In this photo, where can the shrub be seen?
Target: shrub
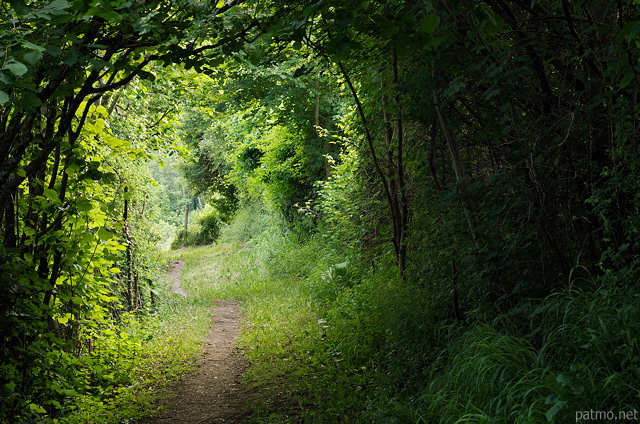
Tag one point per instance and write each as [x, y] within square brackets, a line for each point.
[206, 232]
[209, 228]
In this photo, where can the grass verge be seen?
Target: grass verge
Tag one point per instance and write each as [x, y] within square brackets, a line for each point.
[129, 363]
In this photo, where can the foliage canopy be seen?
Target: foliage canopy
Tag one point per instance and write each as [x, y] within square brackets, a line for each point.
[487, 149]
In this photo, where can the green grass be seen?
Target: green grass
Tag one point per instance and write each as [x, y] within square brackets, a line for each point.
[583, 355]
[323, 337]
[253, 262]
[131, 362]
[279, 318]
[296, 374]
[331, 340]
[341, 344]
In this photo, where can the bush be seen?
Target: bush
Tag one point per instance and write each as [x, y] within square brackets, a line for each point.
[206, 232]
[209, 228]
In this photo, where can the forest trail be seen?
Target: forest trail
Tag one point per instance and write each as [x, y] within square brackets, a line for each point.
[175, 270]
[213, 393]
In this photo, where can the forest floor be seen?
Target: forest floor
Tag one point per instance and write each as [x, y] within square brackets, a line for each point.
[213, 392]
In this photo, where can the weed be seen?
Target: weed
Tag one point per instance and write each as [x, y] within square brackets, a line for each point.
[588, 360]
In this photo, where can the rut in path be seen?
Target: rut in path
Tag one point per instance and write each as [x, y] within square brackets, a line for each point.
[214, 392]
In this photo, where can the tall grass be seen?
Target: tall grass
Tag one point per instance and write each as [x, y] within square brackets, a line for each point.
[129, 362]
[267, 271]
[351, 343]
[328, 339]
[331, 339]
[587, 359]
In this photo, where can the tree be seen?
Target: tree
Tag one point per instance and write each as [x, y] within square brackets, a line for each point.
[365, 44]
[529, 128]
[266, 130]
[67, 215]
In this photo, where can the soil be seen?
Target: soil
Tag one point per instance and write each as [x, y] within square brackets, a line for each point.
[213, 393]
[173, 276]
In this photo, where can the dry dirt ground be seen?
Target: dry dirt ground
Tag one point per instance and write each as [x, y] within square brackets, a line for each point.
[213, 393]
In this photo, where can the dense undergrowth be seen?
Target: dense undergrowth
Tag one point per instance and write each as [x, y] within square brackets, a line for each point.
[456, 187]
[332, 340]
[118, 368]
[126, 372]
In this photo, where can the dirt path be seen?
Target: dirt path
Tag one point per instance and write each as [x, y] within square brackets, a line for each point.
[177, 265]
[214, 392]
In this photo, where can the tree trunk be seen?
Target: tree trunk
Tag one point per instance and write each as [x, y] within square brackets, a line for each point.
[129, 251]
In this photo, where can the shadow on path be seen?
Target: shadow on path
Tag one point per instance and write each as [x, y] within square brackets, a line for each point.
[214, 392]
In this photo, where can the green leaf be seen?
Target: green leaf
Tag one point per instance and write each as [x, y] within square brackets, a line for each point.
[7, 78]
[61, 18]
[554, 410]
[146, 75]
[106, 14]
[54, 50]
[16, 67]
[32, 46]
[102, 111]
[565, 377]
[430, 23]
[215, 61]
[390, 31]
[91, 174]
[19, 6]
[37, 408]
[11, 386]
[72, 57]
[57, 7]
[387, 28]
[104, 234]
[626, 79]
[342, 47]
[98, 64]
[32, 56]
[629, 31]
[4, 98]
[30, 100]
[83, 204]
[51, 194]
